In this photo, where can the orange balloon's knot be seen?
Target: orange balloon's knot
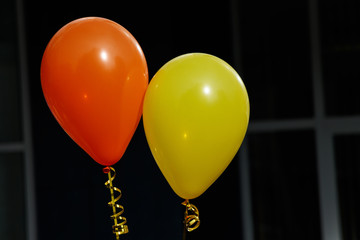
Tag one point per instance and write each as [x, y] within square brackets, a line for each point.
[119, 226]
[191, 216]
[106, 170]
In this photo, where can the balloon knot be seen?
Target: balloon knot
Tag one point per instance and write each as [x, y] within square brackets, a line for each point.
[106, 170]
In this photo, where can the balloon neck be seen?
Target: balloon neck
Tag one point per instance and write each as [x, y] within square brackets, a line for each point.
[186, 202]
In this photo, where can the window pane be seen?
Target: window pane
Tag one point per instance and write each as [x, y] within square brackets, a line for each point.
[347, 153]
[340, 35]
[284, 185]
[10, 124]
[12, 205]
[276, 58]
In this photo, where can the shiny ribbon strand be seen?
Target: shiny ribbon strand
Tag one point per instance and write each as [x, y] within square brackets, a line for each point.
[119, 226]
[191, 216]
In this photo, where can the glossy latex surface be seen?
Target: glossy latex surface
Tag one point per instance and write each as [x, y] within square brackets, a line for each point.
[94, 76]
[196, 113]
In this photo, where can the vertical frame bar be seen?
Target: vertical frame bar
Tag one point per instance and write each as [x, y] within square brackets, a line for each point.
[329, 212]
[31, 221]
[245, 185]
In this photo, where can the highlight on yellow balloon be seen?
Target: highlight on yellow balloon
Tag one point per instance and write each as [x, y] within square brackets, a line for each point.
[195, 116]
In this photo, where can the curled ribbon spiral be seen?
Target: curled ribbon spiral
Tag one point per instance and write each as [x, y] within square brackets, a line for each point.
[119, 226]
[191, 216]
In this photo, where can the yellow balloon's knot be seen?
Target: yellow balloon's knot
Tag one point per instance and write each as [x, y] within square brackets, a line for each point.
[119, 226]
[191, 216]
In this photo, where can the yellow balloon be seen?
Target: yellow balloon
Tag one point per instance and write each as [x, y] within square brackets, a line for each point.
[196, 113]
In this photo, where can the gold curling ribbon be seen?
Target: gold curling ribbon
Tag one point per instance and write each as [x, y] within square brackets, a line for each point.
[191, 216]
[119, 226]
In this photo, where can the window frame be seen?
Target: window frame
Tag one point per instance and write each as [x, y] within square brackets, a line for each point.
[325, 129]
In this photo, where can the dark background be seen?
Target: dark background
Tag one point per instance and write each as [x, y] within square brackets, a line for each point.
[302, 74]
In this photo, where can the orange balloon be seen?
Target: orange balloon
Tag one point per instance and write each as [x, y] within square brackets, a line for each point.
[94, 77]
